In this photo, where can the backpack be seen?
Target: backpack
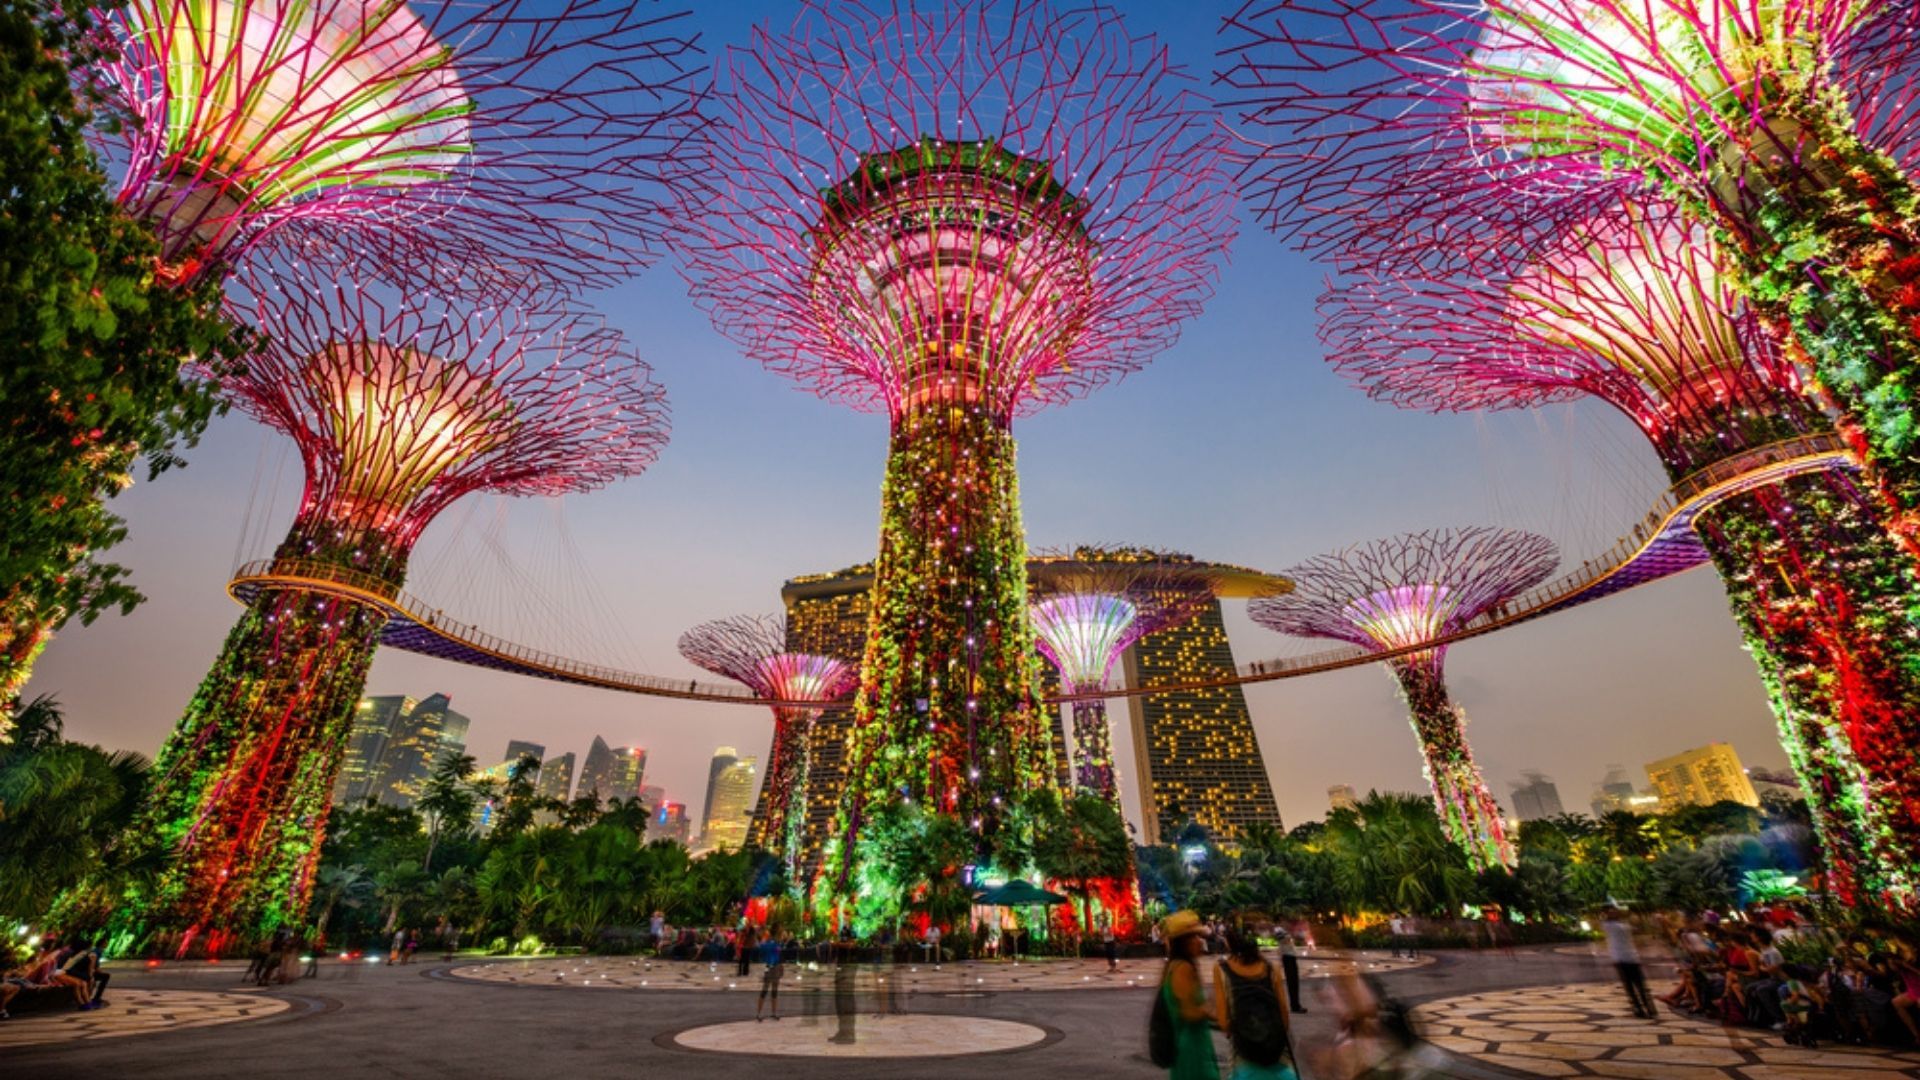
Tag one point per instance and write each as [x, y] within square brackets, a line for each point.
[1161, 1048]
[1258, 1034]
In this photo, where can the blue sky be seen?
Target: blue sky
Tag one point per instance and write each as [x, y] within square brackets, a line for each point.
[1237, 444]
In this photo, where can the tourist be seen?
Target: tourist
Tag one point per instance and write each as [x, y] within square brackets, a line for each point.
[1248, 997]
[931, 945]
[1109, 943]
[394, 950]
[744, 945]
[771, 968]
[412, 946]
[1193, 1058]
[1626, 961]
[1798, 1003]
[1907, 1002]
[316, 948]
[1290, 968]
[43, 972]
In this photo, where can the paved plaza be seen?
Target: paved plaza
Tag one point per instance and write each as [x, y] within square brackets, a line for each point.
[1539, 1013]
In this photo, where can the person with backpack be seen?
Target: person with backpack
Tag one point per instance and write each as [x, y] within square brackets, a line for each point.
[1250, 997]
[1180, 1033]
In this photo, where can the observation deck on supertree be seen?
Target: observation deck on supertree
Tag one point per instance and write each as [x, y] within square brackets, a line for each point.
[399, 407]
[752, 650]
[956, 213]
[1412, 588]
[1784, 126]
[469, 148]
[1631, 307]
[1088, 608]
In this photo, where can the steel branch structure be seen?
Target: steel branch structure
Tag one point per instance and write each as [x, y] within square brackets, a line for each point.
[1088, 609]
[1413, 588]
[956, 213]
[462, 147]
[1631, 307]
[752, 650]
[399, 407]
[1396, 131]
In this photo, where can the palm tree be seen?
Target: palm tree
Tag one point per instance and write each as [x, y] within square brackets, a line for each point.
[446, 799]
[63, 807]
[396, 887]
[338, 886]
[1085, 844]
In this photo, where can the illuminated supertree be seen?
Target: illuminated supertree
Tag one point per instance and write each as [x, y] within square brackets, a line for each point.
[956, 213]
[399, 407]
[1393, 593]
[1088, 608]
[1785, 126]
[1631, 307]
[460, 146]
[752, 650]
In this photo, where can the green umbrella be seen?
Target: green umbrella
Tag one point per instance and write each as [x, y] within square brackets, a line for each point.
[1018, 893]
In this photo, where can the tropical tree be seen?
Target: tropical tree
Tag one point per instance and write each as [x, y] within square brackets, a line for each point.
[63, 806]
[336, 886]
[447, 800]
[1391, 854]
[907, 854]
[1086, 843]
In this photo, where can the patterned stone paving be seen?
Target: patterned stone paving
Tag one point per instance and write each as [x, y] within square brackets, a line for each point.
[1587, 1030]
[136, 1012]
[910, 1035]
[636, 973]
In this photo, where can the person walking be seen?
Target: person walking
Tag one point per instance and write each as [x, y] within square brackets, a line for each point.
[744, 945]
[1290, 969]
[1186, 1004]
[771, 969]
[1248, 998]
[1626, 960]
[394, 949]
[1109, 943]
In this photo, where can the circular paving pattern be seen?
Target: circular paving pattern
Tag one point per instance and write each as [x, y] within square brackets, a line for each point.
[136, 1012]
[898, 1036]
[638, 973]
[1587, 1030]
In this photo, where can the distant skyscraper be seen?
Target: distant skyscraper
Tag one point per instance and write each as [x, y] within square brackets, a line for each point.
[518, 748]
[1536, 798]
[420, 740]
[723, 823]
[612, 772]
[556, 775]
[669, 821]
[1341, 797]
[1701, 777]
[1615, 792]
[1194, 752]
[652, 795]
[373, 725]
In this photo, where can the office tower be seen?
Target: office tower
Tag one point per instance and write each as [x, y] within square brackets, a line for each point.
[612, 772]
[651, 795]
[556, 774]
[730, 781]
[373, 723]
[1614, 792]
[669, 821]
[1195, 751]
[1536, 798]
[1701, 777]
[1341, 797]
[519, 748]
[421, 739]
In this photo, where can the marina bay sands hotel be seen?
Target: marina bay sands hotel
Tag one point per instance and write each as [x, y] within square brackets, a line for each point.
[1195, 754]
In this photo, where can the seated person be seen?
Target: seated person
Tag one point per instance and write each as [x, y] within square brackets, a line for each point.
[1799, 1001]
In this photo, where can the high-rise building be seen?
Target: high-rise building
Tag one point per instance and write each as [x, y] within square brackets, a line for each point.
[1194, 751]
[1341, 797]
[723, 823]
[519, 748]
[420, 740]
[556, 775]
[612, 772]
[1536, 798]
[373, 725]
[669, 821]
[1701, 777]
[1614, 792]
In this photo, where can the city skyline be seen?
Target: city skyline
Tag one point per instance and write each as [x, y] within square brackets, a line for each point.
[1268, 459]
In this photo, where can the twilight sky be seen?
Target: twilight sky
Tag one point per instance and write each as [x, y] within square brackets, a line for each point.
[1238, 445]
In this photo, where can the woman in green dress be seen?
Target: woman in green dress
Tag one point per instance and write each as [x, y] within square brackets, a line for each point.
[1186, 938]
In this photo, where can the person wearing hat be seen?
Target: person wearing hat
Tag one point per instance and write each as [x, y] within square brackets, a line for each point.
[1186, 938]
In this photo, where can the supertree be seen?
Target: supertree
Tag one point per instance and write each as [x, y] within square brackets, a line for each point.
[1393, 593]
[956, 213]
[399, 407]
[752, 650]
[1631, 307]
[1088, 608]
[460, 146]
[1400, 130]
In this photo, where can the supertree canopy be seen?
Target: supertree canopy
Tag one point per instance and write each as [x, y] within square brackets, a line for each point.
[461, 145]
[752, 650]
[1631, 307]
[1088, 608]
[1395, 593]
[398, 408]
[957, 213]
[1784, 126]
